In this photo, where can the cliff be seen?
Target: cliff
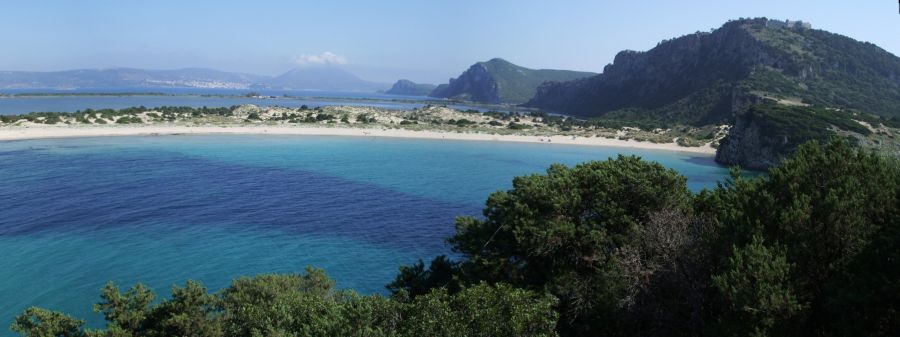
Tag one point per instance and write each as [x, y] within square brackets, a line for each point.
[764, 133]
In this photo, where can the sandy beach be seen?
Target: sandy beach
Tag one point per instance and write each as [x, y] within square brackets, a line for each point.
[40, 132]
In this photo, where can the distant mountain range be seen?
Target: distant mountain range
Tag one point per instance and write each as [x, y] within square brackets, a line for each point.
[321, 78]
[499, 81]
[306, 78]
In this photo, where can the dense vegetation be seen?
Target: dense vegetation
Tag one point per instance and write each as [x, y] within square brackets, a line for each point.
[613, 248]
[499, 81]
[810, 249]
[303, 305]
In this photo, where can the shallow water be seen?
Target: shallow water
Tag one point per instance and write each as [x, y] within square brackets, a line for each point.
[160, 210]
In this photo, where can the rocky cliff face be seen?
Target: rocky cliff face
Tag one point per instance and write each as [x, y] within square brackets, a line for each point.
[748, 147]
[475, 84]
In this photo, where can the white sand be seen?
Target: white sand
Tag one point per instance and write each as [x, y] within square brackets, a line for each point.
[51, 131]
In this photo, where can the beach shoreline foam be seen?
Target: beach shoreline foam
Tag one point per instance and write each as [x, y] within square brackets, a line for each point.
[13, 133]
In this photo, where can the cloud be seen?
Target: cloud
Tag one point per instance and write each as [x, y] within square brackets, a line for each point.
[324, 58]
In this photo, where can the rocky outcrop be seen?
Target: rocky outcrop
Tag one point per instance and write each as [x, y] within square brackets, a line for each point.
[475, 84]
[747, 145]
[766, 132]
[410, 88]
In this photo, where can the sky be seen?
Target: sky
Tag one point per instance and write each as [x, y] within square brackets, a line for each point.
[425, 41]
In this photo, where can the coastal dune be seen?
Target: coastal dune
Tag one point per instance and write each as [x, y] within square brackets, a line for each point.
[43, 132]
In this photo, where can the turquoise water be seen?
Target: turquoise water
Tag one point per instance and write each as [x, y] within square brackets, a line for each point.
[159, 210]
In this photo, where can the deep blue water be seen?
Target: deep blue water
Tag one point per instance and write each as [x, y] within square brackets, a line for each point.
[194, 98]
[76, 213]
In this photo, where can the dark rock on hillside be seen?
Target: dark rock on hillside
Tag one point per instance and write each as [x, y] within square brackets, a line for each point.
[748, 147]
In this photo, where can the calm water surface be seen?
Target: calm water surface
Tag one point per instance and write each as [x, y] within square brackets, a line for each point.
[12, 105]
[160, 210]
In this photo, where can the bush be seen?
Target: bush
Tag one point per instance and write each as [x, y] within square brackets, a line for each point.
[463, 122]
[129, 120]
[559, 233]
[809, 249]
[517, 126]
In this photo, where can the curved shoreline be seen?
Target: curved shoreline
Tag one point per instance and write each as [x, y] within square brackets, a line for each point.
[13, 133]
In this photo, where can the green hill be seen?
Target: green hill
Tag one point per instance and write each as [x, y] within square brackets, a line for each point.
[716, 77]
[499, 81]
[704, 77]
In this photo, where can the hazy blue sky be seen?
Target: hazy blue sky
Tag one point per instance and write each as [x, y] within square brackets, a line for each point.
[426, 40]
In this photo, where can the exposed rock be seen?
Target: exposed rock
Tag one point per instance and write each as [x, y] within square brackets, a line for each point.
[745, 146]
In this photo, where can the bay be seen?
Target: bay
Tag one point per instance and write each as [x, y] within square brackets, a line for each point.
[77, 213]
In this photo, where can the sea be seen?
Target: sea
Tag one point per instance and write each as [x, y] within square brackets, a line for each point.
[159, 210]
